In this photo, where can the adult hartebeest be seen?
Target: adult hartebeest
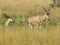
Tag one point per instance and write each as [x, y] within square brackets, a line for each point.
[39, 19]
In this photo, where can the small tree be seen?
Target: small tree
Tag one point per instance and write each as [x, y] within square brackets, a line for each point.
[56, 3]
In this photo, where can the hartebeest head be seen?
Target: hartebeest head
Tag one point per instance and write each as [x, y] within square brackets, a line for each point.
[47, 13]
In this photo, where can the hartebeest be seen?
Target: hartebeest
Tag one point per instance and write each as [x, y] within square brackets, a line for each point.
[9, 19]
[38, 20]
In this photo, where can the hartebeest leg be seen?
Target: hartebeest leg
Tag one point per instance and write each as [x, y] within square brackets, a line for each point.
[40, 25]
[36, 25]
[30, 26]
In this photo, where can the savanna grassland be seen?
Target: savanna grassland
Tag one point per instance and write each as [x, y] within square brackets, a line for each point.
[18, 32]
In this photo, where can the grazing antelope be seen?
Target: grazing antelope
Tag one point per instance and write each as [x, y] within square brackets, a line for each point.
[39, 19]
[9, 19]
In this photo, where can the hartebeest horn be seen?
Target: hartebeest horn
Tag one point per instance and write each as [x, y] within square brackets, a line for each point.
[46, 9]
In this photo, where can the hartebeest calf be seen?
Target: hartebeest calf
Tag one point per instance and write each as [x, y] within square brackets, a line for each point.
[8, 21]
[38, 20]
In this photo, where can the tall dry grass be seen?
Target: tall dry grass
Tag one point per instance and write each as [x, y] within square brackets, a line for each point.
[26, 36]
